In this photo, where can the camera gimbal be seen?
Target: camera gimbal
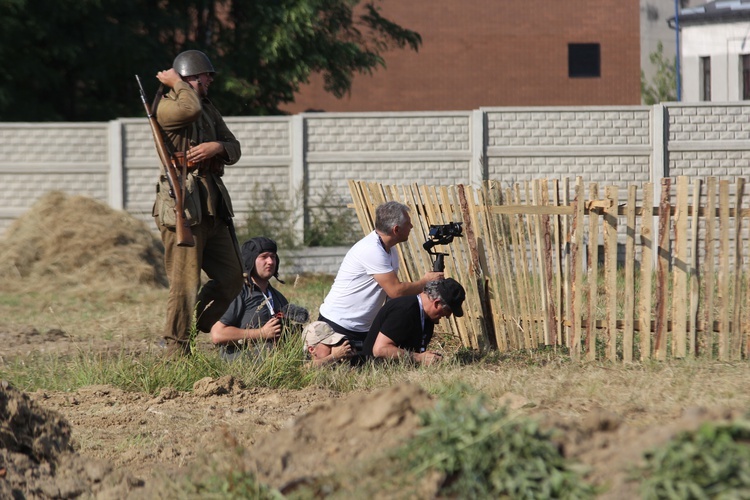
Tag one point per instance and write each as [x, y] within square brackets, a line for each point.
[441, 234]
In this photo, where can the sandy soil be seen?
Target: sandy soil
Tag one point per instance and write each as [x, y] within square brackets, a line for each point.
[102, 442]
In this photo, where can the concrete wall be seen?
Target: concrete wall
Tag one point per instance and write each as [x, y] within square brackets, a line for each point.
[308, 158]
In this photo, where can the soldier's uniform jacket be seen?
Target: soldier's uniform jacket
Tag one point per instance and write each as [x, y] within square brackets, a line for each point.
[188, 120]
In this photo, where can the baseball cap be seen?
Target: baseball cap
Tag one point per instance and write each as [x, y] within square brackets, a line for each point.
[320, 332]
[453, 294]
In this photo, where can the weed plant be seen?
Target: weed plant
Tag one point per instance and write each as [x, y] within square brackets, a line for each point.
[712, 462]
[272, 215]
[486, 454]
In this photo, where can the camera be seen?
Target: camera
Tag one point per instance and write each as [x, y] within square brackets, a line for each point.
[441, 234]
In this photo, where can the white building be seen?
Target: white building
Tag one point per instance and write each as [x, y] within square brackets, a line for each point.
[715, 51]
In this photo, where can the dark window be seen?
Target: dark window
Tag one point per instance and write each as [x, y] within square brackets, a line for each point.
[584, 60]
[745, 76]
[705, 67]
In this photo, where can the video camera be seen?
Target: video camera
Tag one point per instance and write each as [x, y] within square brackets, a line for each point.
[441, 234]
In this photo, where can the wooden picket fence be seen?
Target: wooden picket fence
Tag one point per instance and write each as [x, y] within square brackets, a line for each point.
[671, 281]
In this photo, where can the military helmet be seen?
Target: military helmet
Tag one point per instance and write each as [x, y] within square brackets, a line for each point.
[192, 62]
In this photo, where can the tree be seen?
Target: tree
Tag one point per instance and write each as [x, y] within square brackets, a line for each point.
[664, 85]
[75, 60]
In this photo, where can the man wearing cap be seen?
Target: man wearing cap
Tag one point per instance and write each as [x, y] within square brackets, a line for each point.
[403, 327]
[254, 315]
[324, 346]
[194, 128]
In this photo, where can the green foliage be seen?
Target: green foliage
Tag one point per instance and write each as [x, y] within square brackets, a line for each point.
[328, 226]
[664, 85]
[486, 454]
[712, 462]
[263, 50]
[273, 216]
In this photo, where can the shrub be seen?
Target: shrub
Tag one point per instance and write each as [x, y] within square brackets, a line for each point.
[712, 462]
[486, 454]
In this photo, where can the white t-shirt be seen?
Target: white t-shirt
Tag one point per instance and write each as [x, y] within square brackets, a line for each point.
[355, 297]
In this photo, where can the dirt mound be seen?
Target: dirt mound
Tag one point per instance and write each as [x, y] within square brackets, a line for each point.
[37, 458]
[83, 239]
[336, 434]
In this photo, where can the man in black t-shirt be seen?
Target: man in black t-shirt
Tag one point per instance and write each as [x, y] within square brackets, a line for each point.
[403, 327]
[259, 313]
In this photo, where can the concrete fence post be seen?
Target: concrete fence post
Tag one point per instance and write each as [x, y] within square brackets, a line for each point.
[116, 177]
[478, 164]
[659, 164]
[297, 175]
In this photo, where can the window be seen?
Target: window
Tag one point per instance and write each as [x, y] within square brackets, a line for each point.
[705, 68]
[745, 76]
[584, 60]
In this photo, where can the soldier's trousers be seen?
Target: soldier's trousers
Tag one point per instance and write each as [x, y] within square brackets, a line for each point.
[215, 253]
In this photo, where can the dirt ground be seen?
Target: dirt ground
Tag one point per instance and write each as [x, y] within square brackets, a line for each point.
[102, 442]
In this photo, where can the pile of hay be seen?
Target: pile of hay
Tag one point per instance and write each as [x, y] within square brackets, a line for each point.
[83, 240]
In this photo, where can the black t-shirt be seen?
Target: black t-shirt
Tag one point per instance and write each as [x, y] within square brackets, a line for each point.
[249, 310]
[401, 321]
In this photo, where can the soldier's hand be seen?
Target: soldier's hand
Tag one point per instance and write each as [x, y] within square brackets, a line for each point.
[169, 77]
[204, 151]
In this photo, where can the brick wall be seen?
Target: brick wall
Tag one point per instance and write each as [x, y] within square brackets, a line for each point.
[479, 53]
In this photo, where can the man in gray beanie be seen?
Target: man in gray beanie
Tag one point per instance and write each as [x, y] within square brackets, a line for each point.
[256, 315]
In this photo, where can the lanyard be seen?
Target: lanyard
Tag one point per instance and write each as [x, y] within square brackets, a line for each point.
[421, 317]
[268, 299]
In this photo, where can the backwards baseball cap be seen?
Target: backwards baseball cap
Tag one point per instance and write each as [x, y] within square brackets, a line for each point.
[256, 246]
[320, 332]
[453, 294]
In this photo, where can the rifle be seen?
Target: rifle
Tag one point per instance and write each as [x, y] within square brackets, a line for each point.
[176, 189]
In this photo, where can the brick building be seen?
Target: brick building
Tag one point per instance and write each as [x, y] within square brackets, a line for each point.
[500, 53]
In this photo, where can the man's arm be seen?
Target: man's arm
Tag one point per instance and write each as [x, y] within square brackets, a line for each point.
[176, 114]
[396, 288]
[223, 334]
[384, 347]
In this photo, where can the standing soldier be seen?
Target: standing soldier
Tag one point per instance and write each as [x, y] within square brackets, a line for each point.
[195, 130]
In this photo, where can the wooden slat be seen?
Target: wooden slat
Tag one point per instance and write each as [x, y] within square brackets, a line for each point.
[498, 286]
[535, 295]
[541, 256]
[593, 275]
[694, 281]
[474, 278]
[709, 281]
[519, 249]
[577, 251]
[628, 309]
[648, 237]
[662, 269]
[680, 271]
[724, 269]
[736, 330]
[610, 268]
[558, 246]
[567, 266]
